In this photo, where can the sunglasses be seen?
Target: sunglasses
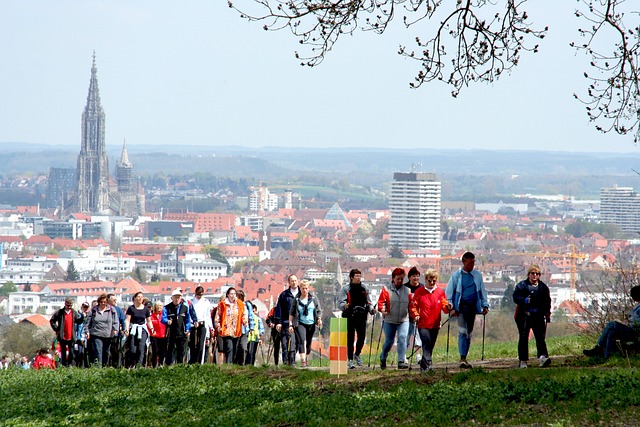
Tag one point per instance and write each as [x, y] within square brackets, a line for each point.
[432, 280]
[534, 273]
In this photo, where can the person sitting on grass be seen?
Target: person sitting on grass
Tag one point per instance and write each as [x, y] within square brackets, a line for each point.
[43, 360]
[617, 331]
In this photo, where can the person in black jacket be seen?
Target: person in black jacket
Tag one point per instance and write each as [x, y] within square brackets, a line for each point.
[281, 315]
[176, 315]
[533, 312]
[64, 322]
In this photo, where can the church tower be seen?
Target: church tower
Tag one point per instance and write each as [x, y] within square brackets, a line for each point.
[93, 166]
[127, 187]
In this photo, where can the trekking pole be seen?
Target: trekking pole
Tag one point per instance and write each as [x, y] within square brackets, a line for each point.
[484, 326]
[288, 362]
[373, 324]
[379, 339]
[320, 346]
[415, 333]
[446, 364]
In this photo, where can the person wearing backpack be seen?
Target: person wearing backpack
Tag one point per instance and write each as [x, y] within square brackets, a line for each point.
[275, 337]
[355, 303]
[283, 307]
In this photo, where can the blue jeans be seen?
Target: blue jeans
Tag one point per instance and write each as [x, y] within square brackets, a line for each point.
[390, 330]
[466, 320]
[612, 332]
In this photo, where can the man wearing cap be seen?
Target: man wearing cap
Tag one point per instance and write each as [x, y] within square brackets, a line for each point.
[178, 320]
[64, 322]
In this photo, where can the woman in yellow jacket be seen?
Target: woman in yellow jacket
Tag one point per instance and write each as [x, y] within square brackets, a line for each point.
[230, 317]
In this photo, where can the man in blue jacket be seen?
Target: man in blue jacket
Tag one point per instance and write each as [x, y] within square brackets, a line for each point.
[466, 292]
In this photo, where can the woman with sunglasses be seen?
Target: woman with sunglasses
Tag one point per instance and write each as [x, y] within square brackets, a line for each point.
[533, 312]
[427, 306]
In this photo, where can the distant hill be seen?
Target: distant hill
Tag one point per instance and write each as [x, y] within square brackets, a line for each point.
[503, 172]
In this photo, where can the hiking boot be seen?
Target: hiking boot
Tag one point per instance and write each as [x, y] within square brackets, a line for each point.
[544, 361]
[351, 365]
[593, 352]
[522, 364]
[464, 364]
[358, 360]
[403, 365]
[383, 364]
[304, 364]
[424, 371]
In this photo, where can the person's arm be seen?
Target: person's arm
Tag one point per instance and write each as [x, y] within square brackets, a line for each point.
[414, 309]
[450, 294]
[343, 301]
[318, 311]
[188, 323]
[382, 301]
[55, 321]
[127, 324]
[165, 316]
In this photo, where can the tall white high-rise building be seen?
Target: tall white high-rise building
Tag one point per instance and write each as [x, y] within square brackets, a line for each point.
[620, 206]
[415, 211]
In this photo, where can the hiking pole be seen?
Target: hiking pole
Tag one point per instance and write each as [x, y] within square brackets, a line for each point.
[373, 324]
[380, 338]
[446, 364]
[415, 332]
[484, 326]
[261, 349]
[320, 346]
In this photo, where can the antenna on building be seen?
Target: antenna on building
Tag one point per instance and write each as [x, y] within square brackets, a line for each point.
[416, 167]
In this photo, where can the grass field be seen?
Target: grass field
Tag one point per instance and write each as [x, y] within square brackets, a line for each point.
[573, 392]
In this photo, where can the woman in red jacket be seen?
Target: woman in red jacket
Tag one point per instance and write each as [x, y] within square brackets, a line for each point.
[158, 335]
[427, 306]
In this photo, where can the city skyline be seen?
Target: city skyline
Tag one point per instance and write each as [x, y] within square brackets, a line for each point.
[198, 74]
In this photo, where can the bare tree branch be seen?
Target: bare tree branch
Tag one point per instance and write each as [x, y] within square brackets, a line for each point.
[476, 40]
[613, 95]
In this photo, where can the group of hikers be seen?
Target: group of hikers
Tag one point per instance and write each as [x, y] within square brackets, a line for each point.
[193, 331]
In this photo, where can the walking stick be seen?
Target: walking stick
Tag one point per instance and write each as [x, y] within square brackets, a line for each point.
[288, 349]
[320, 346]
[373, 324]
[446, 364]
[484, 326]
[415, 332]
[379, 339]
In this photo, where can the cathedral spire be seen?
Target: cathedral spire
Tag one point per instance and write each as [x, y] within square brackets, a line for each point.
[124, 159]
[93, 165]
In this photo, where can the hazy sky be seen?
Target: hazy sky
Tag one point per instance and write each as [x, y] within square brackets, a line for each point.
[194, 72]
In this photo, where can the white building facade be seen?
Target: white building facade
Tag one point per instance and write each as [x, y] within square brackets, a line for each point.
[415, 211]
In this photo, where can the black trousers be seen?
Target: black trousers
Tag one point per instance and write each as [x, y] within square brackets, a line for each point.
[356, 324]
[288, 345]
[197, 342]
[66, 352]
[538, 325]
[277, 340]
[159, 348]
[176, 344]
[304, 337]
[137, 350]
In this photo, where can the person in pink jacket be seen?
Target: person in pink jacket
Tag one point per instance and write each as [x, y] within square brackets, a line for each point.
[426, 308]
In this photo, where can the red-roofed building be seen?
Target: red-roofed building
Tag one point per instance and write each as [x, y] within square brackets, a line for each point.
[204, 222]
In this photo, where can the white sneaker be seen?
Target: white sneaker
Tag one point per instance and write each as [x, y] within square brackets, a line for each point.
[522, 364]
[351, 365]
[544, 361]
[418, 358]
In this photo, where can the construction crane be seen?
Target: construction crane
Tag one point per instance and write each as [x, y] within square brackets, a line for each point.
[573, 256]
